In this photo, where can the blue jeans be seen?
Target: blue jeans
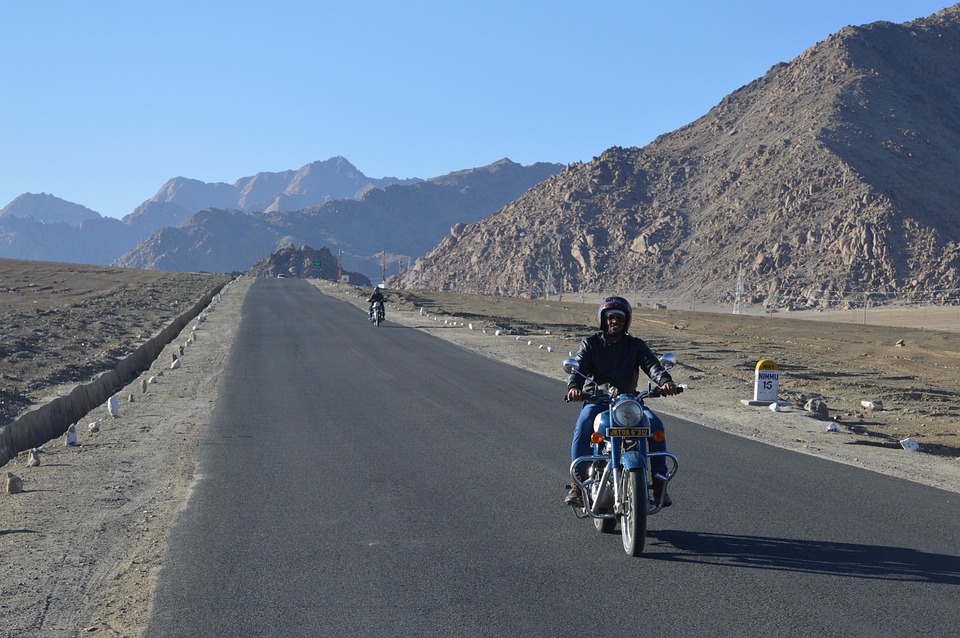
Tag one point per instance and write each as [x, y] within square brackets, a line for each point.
[584, 428]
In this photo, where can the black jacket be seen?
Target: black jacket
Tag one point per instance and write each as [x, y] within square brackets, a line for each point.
[616, 366]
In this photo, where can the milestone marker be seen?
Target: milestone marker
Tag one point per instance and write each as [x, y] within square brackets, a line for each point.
[766, 383]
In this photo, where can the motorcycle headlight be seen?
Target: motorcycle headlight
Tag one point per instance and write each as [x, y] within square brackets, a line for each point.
[628, 414]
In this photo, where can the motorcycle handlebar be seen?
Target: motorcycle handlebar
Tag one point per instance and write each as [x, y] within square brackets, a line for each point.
[645, 394]
[655, 392]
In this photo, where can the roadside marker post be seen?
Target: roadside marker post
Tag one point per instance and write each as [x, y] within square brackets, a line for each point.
[766, 384]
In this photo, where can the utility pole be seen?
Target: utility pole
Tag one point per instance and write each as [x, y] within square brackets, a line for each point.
[738, 301]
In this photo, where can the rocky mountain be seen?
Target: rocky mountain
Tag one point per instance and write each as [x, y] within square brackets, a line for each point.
[303, 263]
[396, 222]
[314, 183]
[46, 228]
[831, 177]
[47, 209]
[92, 241]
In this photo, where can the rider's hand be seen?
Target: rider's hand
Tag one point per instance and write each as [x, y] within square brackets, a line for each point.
[573, 394]
[669, 388]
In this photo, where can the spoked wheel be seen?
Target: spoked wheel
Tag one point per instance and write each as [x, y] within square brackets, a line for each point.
[633, 521]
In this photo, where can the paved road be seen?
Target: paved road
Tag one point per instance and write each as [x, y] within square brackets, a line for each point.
[363, 481]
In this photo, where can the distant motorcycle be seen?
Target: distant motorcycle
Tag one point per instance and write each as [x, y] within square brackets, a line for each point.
[377, 313]
[618, 482]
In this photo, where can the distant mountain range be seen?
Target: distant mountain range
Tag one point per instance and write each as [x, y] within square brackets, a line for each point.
[189, 225]
[315, 183]
[47, 209]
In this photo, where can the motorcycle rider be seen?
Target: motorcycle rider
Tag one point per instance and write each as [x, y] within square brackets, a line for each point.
[613, 358]
[375, 297]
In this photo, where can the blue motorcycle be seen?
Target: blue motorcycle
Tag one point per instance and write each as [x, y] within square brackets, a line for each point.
[618, 480]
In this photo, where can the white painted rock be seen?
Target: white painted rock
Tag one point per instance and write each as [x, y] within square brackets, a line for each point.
[71, 437]
[910, 445]
[113, 406]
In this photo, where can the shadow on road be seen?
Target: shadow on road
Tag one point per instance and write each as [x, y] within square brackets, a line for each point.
[816, 557]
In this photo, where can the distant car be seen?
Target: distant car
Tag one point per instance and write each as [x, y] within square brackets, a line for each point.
[281, 276]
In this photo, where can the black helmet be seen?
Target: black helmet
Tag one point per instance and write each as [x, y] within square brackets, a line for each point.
[614, 303]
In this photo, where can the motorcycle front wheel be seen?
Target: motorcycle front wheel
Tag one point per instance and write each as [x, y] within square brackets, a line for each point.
[633, 521]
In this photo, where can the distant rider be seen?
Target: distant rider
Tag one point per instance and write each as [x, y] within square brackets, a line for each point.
[614, 358]
[375, 297]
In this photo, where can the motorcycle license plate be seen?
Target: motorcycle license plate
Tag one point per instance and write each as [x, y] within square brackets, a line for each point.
[638, 432]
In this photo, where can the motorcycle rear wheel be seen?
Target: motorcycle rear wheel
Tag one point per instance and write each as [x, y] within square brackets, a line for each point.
[633, 522]
[602, 525]
[605, 525]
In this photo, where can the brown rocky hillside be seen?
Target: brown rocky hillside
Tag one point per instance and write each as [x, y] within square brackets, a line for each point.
[304, 263]
[832, 176]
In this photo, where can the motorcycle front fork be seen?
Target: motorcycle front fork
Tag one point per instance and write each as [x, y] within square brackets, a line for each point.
[608, 483]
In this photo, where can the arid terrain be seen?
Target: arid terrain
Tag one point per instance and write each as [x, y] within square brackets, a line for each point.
[82, 544]
[66, 323]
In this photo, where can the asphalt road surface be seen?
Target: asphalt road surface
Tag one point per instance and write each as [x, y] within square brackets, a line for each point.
[364, 481]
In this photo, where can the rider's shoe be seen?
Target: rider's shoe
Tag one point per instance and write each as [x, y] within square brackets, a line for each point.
[660, 487]
[574, 497]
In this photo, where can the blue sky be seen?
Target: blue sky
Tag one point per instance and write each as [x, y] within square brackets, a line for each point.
[102, 102]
